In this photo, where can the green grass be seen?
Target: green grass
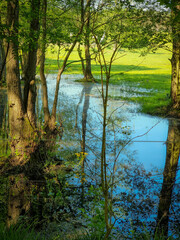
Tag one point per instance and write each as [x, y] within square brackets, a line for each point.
[151, 72]
[18, 233]
[25, 233]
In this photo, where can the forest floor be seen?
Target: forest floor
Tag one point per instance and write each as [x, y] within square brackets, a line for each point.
[147, 76]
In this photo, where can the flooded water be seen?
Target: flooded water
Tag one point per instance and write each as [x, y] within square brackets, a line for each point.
[138, 147]
[146, 132]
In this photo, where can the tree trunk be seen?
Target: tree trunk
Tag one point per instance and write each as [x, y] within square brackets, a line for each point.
[24, 61]
[81, 58]
[3, 57]
[87, 73]
[175, 61]
[1, 61]
[53, 114]
[16, 112]
[20, 128]
[30, 87]
[42, 62]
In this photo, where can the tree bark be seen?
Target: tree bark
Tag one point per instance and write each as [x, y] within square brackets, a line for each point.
[3, 56]
[20, 128]
[175, 61]
[81, 58]
[42, 62]
[23, 61]
[87, 73]
[30, 87]
[2, 63]
[16, 112]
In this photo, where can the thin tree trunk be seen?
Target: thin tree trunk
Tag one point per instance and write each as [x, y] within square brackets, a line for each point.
[53, 115]
[30, 87]
[81, 58]
[3, 58]
[42, 62]
[24, 62]
[87, 74]
[104, 177]
[1, 61]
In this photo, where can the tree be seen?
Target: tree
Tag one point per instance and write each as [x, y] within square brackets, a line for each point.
[174, 7]
[3, 52]
[117, 25]
[175, 60]
[87, 70]
[51, 118]
[30, 87]
[22, 115]
[2, 62]
[42, 62]
[20, 127]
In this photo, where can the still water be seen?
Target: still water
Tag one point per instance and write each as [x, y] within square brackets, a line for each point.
[138, 147]
[148, 134]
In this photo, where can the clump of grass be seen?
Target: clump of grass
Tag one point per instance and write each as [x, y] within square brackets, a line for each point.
[18, 233]
[155, 104]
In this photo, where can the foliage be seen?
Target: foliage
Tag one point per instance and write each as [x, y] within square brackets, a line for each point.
[94, 216]
[18, 233]
[123, 27]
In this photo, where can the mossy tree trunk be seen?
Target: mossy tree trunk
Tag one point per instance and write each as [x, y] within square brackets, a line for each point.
[42, 63]
[3, 56]
[2, 63]
[20, 127]
[23, 61]
[30, 86]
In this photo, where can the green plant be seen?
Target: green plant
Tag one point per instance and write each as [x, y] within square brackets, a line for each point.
[95, 214]
[18, 233]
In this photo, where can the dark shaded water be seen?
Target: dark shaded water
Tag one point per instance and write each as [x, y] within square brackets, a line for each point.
[138, 149]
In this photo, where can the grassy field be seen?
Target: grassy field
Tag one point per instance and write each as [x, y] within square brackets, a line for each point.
[150, 73]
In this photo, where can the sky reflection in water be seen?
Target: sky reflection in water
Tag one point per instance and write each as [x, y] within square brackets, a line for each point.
[150, 149]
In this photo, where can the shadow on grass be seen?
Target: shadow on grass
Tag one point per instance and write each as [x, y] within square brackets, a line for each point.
[52, 64]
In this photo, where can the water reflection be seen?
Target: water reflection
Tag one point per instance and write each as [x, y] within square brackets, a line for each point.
[169, 176]
[86, 94]
[18, 199]
[134, 183]
[25, 185]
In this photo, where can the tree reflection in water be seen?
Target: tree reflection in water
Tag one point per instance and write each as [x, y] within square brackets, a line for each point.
[133, 190]
[170, 173]
[18, 200]
[86, 94]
